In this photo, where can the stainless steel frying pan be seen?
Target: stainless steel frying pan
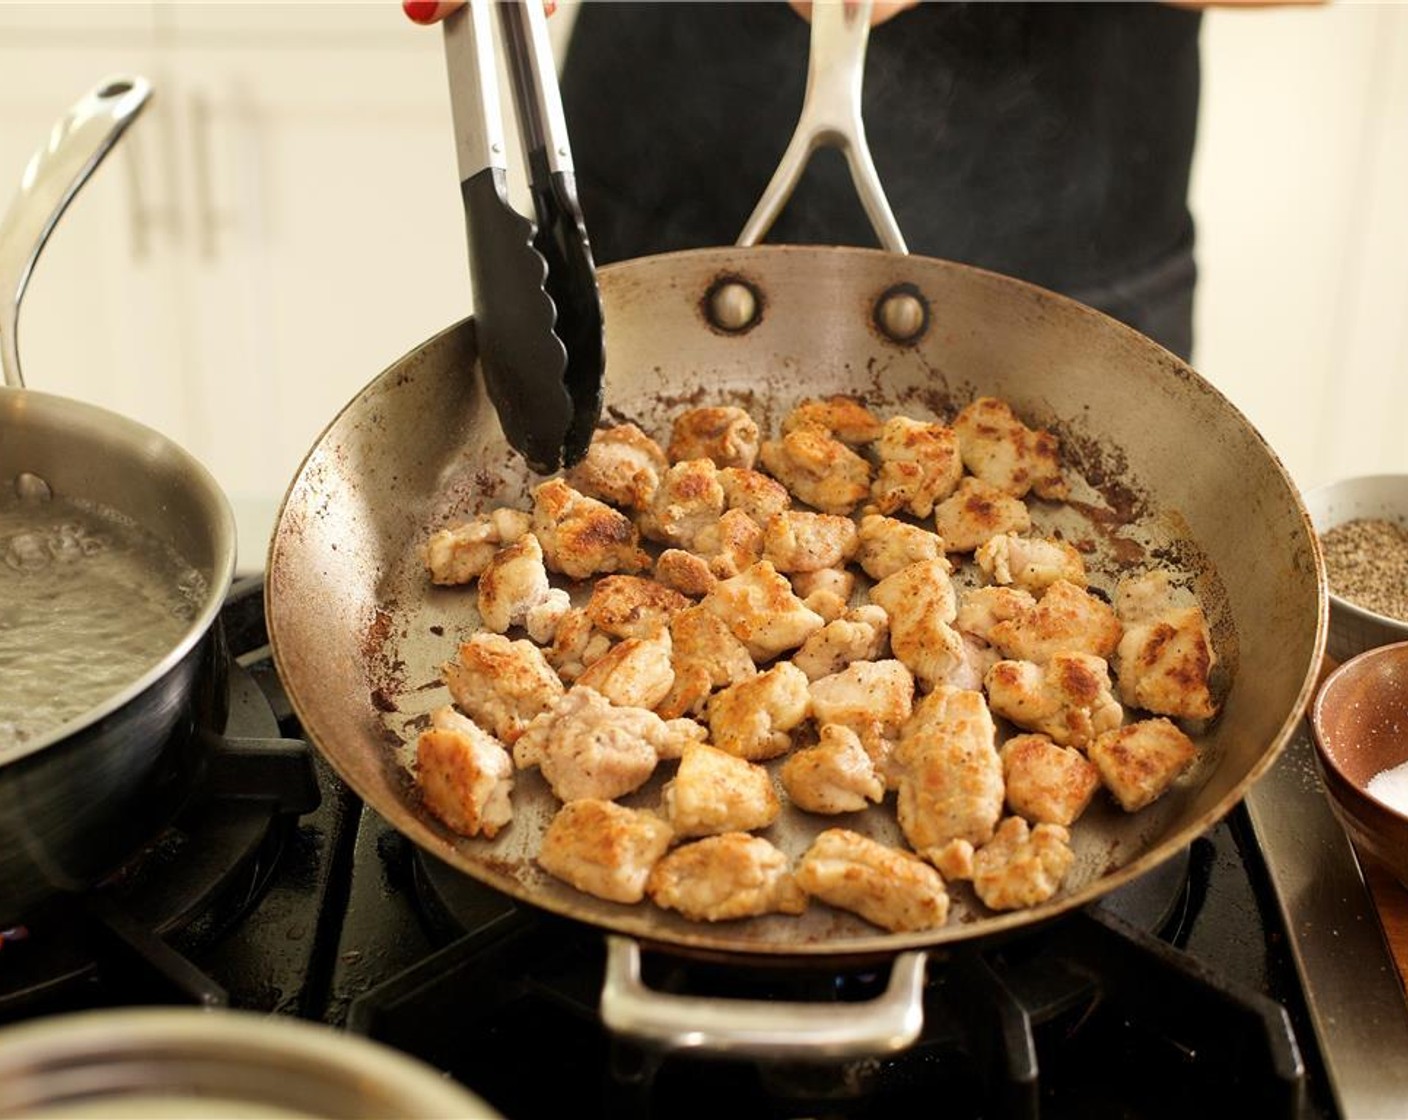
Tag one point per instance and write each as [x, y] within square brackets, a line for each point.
[1170, 474]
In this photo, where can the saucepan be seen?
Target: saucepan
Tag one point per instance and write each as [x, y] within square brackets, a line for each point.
[1168, 473]
[79, 796]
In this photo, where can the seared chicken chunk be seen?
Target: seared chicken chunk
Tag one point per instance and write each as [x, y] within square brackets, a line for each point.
[603, 848]
[731, 545]
[465, 775]
[983, 608]
[975, 513]
[502, 685]
[1031, 563]
[844, 417]
[706, 656]
[635, 673]
[1046, 784]
[576, 643]
[513, 583]
[919, 466]
[794, 541]
[688, 499]
[921, 603]
[1021, 867]
[623, 466]
[950, 775]
[753, 719]
[1065, 619]
[860, 635]
[1139, 762]
[835, 776]
[1068, 698]
[821, 471]
[869, 697]
[724, 877]
[887, 887]
[827, 590]
[632, 607]
[714, 791]
[1004, 452]
[726, 436]
[1166, 656]
[884, 545]
[759, 608]
[457, 555]
[582, 536]
[753, 493]
[685, 572]
[588, 747]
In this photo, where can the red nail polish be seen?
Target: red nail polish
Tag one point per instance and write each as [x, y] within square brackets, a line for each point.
[422, 11]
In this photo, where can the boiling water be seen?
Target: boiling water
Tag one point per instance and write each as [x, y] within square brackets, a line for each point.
[89, 601]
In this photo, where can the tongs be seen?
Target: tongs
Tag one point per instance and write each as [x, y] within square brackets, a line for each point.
[537, 308]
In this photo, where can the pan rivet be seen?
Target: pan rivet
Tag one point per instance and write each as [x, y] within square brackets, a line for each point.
[902, 313]
[733, 305]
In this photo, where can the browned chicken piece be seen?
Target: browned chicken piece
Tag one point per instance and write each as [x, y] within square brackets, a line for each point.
[919, 466]
[844, 417]
[1066, 619]
[983, 608]
[502, 685]
[1069, 698]
[726, 435]
[689, 692]
[1031, 563]
[581, 536]
[821, 471]
[884, 545]
[795, 541]
[513, 583]
[603, 848]
[920, 588]
[546, 615]
[1002, 451]
[754, 493]
[714, 791]
[921, 603]
[701, 637]
[835, 776]
[887, 887]
[685, 572]
[588, 747]
[753, 719]
[465, 775]
[1021, 867]
[953, 860]
[576, 643]
[950, 775]
[872, 698]
[834, 584]
[859, 635]
[623, 466]
[759, 608]
[458, 554]
[732, 544]
[1046, 784]
[632, 607]
[1140, 761]
[635, 673]
[688, 500]
[1166, 657]
[975, 513]
[725, 877]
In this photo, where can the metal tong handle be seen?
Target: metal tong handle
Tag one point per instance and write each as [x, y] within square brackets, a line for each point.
[763, 1028]
[831, 117]
[77, 144]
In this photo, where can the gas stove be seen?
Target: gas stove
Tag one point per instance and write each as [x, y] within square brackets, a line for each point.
[277, 891]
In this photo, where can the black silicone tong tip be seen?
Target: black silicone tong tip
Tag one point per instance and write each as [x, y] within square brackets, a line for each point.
[524, 361]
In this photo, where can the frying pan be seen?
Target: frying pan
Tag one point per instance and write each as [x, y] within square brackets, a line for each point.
[1166, 472]
[78, 800]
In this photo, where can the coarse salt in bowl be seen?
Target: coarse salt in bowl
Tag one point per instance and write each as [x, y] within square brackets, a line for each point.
[1379, 572]
[1360, 720]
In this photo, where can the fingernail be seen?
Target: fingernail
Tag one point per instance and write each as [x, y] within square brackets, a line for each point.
[421, 11]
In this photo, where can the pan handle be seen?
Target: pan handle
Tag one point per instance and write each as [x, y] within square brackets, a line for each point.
[831, 117]
[76, 145]
[759, 1028]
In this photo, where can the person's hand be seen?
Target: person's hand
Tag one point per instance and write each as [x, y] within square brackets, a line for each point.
[433, 11]
[880, 12]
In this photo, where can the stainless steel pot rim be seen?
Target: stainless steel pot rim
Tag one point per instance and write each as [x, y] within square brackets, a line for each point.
[220, 578]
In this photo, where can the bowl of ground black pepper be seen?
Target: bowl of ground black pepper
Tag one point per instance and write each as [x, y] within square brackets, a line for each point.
[1363, 528]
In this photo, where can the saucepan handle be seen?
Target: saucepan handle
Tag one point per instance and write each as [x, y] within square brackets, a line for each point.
[831, 117]
[762, 1029]
[76, 145]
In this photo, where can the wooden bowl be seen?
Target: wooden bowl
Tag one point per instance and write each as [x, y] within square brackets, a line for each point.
[1360, 720]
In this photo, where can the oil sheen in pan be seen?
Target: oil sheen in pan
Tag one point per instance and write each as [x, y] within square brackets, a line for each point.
[89, 601]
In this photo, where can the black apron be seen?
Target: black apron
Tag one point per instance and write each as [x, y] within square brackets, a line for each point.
[1047, 141]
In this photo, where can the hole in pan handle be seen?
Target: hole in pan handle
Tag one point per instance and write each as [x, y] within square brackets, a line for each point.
[763, 1028]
